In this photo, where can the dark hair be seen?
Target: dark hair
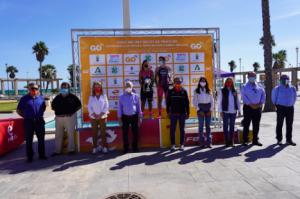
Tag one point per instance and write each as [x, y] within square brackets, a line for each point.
[65, 84]
[233, 88]
[144, 62]
[206, 86]
[162, 58]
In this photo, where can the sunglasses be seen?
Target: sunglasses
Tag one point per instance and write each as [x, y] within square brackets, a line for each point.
[33, 89]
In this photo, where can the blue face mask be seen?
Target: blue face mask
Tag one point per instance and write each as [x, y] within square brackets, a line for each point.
[252, 79]
[64, 91]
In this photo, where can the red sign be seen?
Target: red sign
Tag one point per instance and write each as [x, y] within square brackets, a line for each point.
[11, 134]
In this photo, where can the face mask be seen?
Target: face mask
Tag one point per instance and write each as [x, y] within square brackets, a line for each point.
[284, 82]
[252, 79]
[64, 91]
[229, 84]
[98, 90]
[146, 65]
[33, 92]
[128, 90]
[202, 84]
[177, 87]
[161, 63]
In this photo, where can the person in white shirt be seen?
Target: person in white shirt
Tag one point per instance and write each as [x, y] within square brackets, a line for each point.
[204, 102]
[228, 107]
[98, 110]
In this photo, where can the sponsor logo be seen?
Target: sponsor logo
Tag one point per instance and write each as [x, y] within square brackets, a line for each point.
[114, 70]
[131, 59]
[10, 132]
[196, 46]
[111, 136]
[181, 68]
[96, 48]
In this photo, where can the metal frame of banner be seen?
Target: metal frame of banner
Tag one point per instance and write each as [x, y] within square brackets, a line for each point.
[76, 33]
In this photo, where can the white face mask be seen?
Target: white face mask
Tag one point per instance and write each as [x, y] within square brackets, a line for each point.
[202, 84]
[128, 90]
[161, 63]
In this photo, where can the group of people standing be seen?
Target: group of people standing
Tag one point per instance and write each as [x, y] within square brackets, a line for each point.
[132, 106]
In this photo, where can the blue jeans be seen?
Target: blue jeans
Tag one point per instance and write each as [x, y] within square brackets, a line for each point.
[207, 118]
[228, 126]
[174, 119]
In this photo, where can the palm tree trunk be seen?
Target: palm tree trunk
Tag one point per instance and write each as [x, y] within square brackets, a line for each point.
[267, 40]
[41, 87]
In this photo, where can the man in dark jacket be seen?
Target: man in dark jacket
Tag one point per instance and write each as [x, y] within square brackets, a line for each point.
[178, 109]
[32, 107]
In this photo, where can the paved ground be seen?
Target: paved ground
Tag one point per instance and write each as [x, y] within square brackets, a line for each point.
[244, 172]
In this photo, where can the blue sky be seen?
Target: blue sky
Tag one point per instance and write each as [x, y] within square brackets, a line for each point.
[24, 22]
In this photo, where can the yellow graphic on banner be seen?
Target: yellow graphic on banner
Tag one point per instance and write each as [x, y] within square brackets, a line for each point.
[114, 60]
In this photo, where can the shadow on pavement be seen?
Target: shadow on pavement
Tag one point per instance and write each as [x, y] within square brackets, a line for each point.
[268, 152]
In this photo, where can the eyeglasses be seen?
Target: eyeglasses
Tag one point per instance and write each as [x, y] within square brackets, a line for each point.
[33, 89]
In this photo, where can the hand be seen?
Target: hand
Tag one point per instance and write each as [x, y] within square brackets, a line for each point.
[208, 114]
[222, 114]
[120, 122]
[239, 114]
[140, 121]
[95, 115]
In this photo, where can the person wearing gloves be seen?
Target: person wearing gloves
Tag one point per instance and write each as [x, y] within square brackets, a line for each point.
[98, 110]
[178, 109]
[284, 97]
[228, 107]
[130, 114]
[204, 102]
[65, 106]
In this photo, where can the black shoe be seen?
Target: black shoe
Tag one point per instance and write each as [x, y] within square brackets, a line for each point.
[279, 143]
[29, 160]
[209, 146]
[227, 145]
[55, 154]
[43, 157]
[125, 151]
[291, 143]
[135, 150]
[245, 144]
[71, 152]
[257, 143]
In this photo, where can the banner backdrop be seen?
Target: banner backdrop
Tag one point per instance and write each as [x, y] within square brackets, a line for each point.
[114, 60]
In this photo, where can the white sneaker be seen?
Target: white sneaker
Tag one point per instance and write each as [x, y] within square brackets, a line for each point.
[94, 150]
[173, 148]
[104, 150]
[181, 148]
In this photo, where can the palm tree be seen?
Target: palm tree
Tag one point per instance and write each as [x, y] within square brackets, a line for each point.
[261, 41]
[279, 59]
[256, 66]
[40, 50]
[267, 46]
[48, 72]
[232, 65]
[71, 79]
[12, 70]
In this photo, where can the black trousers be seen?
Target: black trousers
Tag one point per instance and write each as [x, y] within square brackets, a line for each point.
[37, 126]
[133, 122]
[254, 116]
[286, 113]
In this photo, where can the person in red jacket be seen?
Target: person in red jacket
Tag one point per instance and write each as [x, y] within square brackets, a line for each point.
[146, 78]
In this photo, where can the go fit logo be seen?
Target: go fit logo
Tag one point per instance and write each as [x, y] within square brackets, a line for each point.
[96, 47]
[195, 46]
[131, 59]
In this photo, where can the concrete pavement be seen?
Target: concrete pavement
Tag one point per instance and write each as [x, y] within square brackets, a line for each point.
[243, 172]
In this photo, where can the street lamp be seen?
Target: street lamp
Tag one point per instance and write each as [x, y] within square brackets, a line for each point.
[297, 50]
[7, 79]
[240, 62]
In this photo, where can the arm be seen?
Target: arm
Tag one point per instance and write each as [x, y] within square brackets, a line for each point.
[140, 78]
[195, 100]
[212, 103]
[263, 97]
[53, 104]
[120, 108]
[90, 107]
[187, 103]
[244, 96]
[295, 95]
[106, 105]
[220, 97]
[20, 108]
[78, 103]
[274, 95]
[156, 76]
[168, 102]
[239, 103]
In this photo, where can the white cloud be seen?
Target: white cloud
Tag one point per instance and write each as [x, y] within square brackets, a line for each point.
[287, 15]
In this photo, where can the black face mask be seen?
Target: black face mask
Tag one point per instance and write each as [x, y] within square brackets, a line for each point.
[146, 65]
